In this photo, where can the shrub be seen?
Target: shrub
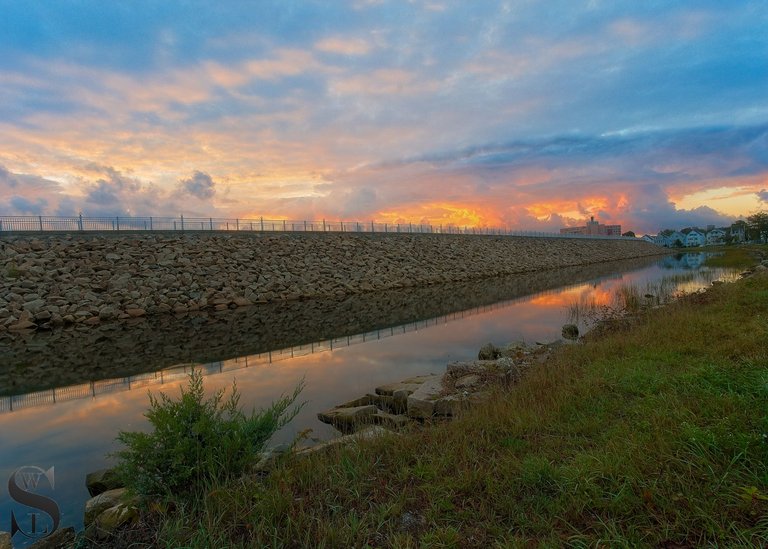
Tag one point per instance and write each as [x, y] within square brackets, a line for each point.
[197, 443]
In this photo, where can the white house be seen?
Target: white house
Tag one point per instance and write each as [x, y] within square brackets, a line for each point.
[716, 236]
[670, 239]
[649, 238]
[694, 238]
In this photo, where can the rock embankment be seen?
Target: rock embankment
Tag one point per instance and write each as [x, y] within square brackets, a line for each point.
[55, 280]
[424, 397]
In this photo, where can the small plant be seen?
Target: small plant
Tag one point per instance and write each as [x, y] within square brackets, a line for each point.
[12, 271]
[197, 443]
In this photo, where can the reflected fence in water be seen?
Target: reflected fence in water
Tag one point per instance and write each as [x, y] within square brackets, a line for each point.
[95, 388]
[79, 223]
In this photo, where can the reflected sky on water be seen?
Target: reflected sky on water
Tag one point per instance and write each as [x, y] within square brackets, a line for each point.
[76, 435]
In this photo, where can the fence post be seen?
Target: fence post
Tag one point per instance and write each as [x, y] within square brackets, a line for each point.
[261, 220]
[182, 223]
[342, 226]
[237, 224]
[283, 225]
[305, 225]
[40, 219]
[323, 225]
[373, 230]
[210, 222]
[386, 228]
[117, 222]
[80, 222]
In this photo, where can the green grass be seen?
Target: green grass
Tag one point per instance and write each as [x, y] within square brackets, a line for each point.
[655, 434]
[738, 257]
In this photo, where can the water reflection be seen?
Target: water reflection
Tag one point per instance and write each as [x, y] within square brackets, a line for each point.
[82, 354]
[375, 339]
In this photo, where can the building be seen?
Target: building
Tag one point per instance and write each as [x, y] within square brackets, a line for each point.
[715, 236]
[593, 228]
[695, 238]
[739, 231]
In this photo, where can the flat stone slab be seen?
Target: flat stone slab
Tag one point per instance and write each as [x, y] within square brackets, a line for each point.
[421, 403]
[410, 384]
[347, 417]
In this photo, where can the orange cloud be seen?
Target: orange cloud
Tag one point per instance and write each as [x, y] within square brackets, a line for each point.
[343, 46]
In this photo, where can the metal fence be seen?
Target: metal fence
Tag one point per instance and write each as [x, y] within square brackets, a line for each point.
[79, 223]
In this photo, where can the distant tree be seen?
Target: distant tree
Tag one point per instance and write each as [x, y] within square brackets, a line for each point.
[757, 226]
[629, 233]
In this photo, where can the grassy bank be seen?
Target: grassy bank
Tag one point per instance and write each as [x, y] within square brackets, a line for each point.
[653, 433]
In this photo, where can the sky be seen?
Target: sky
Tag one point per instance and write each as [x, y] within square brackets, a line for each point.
[520, 114]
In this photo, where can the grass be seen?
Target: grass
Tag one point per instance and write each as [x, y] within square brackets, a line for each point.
[732, 256]
[652, 435]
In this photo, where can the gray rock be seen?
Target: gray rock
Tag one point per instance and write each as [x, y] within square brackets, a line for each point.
[34, 306]
[392, 421]
[96, 505]
[450, 405]
[346, 419]
[22, 325]
[421, 403]
[410, 385]
[489, 351]
[111, 519]
[5, 540]
[467, 381]
[102, 480]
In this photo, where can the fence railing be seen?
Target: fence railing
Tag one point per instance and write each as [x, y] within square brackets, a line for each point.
[79, 223]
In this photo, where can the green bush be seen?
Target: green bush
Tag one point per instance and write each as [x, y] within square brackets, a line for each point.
[197, 443]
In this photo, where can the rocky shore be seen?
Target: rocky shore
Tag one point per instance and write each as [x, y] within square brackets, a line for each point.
[56, 280]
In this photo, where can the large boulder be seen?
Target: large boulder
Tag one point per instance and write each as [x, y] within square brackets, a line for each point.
[5, 540]
[97, 505]
[421, 403]
[102, 480]
[109, 520]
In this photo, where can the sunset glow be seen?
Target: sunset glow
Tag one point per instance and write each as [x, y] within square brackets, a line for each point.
[489, 113]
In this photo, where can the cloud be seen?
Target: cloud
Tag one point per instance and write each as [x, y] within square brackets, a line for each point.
[343, 46]
[200, 186]
[26, 206]
[763, 195]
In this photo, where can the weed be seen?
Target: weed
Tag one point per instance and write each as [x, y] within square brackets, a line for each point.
[196, 443]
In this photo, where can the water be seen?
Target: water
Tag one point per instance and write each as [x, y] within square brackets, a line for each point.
[64, 396]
